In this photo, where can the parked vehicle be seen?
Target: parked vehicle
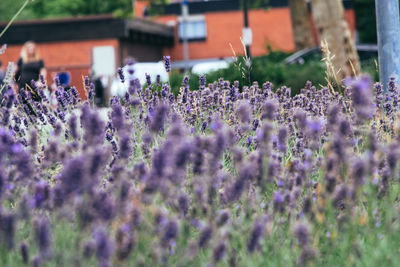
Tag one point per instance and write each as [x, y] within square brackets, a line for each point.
[207, 67]
[365, 52]
[140, 70]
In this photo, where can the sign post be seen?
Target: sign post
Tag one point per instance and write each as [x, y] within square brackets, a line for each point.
[388, 29]
[247, 35]
[185, 14]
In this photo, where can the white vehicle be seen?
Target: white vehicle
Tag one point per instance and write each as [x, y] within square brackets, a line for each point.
[140, 70]
[207, 67]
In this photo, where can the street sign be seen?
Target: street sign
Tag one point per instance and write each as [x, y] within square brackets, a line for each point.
[247, 36]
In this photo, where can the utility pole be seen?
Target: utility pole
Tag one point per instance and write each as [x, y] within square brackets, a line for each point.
[185, 14]
[247, 34]
[388, 29]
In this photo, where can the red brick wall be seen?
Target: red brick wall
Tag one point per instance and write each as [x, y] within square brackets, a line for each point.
[271, 26]
[74, 56]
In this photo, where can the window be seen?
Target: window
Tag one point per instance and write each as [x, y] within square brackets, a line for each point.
[194, 28]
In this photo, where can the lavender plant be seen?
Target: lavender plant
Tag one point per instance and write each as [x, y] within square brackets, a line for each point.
[223, 175]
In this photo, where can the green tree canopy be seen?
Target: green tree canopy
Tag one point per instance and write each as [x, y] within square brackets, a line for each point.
[64, 8]
[9, 7]
[366, 20]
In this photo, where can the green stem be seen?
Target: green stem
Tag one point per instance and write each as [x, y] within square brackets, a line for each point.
[13, 18]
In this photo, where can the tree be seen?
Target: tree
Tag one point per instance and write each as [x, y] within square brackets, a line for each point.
[64, 8]
[8, 8]
[120, 8]
[303, 37]
[332, 27]
[258, 3]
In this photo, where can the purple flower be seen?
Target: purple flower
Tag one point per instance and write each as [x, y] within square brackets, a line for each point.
[282, 139]
[185, 84]
[158, 120]
[205, 236]
[124, 191]
[302, 234]
[222, 218]
[33, 140]
[300, 118]
[148, 79]
[93, 127]
[130, 62]
[117, 115]
[333, 114]
[315, 127]
[203, 126]
[278, 201]
[88, 249]
[344, 127]
[72, 178]
[7, 229]
[167, 63]
[24, 253]
[103, 206]
[340, 196]
[171, 232]
[41, 193]
[182, 155]
[43, 236]
[249, 140]
[308, 253]
[72, 123]
[36, 261]
[121, 75]
[392, 158]
[361, 95]
[269, 110]
[243, 112]
[202, 81]
[91, 92]
[255, 235]
[183, 204]
[96, 161]
[104, 247]
[219, 251]
[358, 172]
[125, 147]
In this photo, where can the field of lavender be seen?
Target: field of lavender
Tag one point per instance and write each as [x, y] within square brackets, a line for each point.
[226, 175]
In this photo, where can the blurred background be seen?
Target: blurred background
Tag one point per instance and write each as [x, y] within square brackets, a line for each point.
[254, 40]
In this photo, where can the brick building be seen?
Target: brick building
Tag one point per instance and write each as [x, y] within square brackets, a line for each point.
[81, 45]
[213, 25]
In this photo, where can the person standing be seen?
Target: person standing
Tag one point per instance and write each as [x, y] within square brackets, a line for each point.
[2, 76]
[29, 66]
[2, 73]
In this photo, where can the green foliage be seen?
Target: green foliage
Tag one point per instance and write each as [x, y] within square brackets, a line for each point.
[64, 8]
[258, 3]
[266, 68]
[366, 20]
[8, 8]
[272, 69]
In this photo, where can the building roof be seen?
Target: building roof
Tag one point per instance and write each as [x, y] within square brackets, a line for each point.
[205, 6]
[86, 28]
